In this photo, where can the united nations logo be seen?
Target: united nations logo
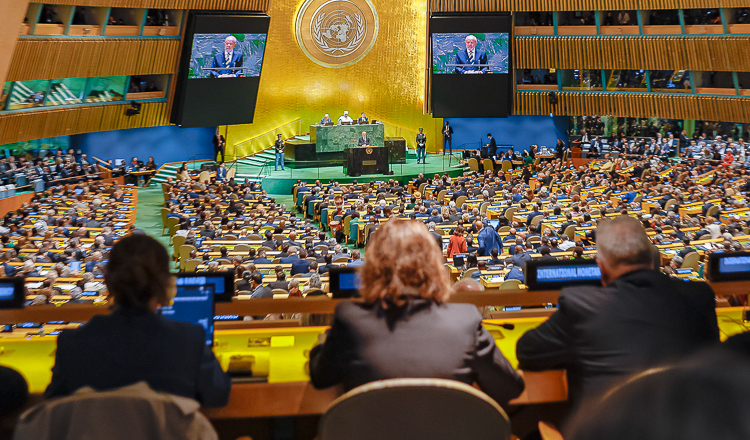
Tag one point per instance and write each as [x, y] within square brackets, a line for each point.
[336, 33]
[368, 150]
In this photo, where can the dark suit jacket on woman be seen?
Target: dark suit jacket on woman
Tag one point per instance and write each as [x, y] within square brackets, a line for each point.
[132, 345]
[419, 339]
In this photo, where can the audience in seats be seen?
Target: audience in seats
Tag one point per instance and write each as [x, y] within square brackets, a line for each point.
[404, 317]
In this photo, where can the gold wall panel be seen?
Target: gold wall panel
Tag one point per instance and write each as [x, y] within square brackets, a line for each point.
[12, 12]
[79, 58]
[387, 84]
[235, 5]
[707, 108]
[576, 5]
[24, 126]
[654, 53]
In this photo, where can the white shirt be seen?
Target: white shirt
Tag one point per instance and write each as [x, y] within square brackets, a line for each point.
[345, 118]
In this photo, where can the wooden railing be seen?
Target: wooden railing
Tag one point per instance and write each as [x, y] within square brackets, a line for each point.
[657, 53]
[706, 108]
[51, 122]
[237, 5]
[80, 58]
[576, 5]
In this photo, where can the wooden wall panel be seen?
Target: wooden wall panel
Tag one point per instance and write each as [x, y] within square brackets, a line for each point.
[576, 5]
[730, 53]
[707, 108]
[79, 58]
[236, 5]
[23, 126]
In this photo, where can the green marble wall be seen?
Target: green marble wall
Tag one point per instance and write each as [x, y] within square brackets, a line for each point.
[335, 138]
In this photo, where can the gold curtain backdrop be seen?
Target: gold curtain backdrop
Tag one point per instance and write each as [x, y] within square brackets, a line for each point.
[387, 84]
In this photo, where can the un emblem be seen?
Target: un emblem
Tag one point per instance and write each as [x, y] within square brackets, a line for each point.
[336, 33]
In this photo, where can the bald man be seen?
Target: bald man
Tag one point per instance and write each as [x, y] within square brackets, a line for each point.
[638, 319]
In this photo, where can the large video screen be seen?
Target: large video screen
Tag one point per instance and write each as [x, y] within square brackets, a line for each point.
[226, 55]
[220, 68]
[471, 65]
[470, 53]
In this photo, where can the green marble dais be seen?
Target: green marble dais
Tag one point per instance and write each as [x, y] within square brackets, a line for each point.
[336, 138]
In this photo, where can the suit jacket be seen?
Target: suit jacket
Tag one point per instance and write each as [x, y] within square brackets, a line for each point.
[367, 343]
[300, 266]
[132, 345]
[221, 174]
[262, 292]
[363, 141]
[601, 334]
[480, 57]
[236, 61]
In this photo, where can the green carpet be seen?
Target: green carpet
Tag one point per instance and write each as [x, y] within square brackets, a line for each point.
[148, 216]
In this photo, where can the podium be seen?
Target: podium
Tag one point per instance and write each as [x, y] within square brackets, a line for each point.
[365, 160]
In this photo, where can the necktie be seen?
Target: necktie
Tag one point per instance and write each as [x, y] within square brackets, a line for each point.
[227, 59]
[471, 57]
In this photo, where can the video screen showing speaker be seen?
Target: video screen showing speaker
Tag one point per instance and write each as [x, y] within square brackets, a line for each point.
[220, 68]
[226, 55]
[471, 64]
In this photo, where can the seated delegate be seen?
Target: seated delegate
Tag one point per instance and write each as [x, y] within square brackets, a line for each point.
[404, 328]
[133, 343]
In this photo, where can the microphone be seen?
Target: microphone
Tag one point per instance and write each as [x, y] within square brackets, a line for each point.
[507, 326]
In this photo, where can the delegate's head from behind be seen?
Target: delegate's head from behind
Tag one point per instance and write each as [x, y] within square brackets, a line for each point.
[622, 246]
[137, 273]
[402, 259]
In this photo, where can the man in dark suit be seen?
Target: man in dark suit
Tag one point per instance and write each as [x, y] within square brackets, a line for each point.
[364, 140]
[514, 271]
[491, 147]
[301, 265]
[259, 290]
[228, 58]
[219, 143]
[471, 60]
[447, 138]
[640, 318]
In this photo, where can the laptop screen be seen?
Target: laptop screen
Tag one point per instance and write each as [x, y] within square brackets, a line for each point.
[222, 282]
[193, 303]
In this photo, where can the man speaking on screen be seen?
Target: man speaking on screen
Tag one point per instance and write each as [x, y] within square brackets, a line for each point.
[471, 60]
[228, 58]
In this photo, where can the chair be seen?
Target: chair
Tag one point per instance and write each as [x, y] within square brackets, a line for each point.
[438, 409]
[461, 200]
[535, 221]
[192, 265]
[510, 285]
[483, 208]
[537, 161]
[473, 165]
[506, 165]
[171, 222]
[353, 232]
[279, 292]
[469, 271]
[712, 211]
[254, 237]
[549, 432]
[204, 177]
[691, 260]
[241, 248]
[164, 212]
[441, 195]
[131, 412]
[669, 203]
[231, 173]
[341, 260]
[510, 212]
[178, 241]
[570, 231]
[488, 164]
[185, 250]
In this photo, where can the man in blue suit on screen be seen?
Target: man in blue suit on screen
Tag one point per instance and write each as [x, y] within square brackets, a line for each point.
[471, 60]
[228, 58]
